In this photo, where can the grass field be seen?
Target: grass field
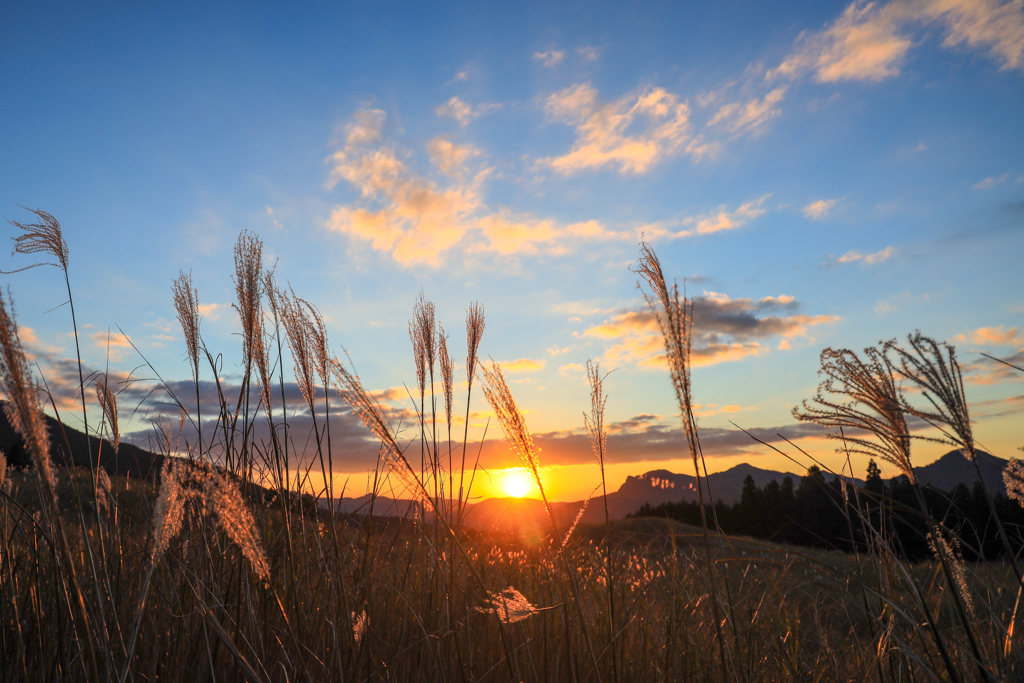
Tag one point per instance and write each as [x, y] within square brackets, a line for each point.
[202, 576]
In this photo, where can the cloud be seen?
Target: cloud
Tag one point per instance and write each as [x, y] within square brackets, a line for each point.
[448, 157]
[419, 220]
[115, 342]
[213, 311]
[870, 41]
[897, 302]
[993, 336]
[647, 438]
[522, 365]
[989, 183]
[588, 53]
[462, 112]
[549, 58]
[866, 259]
[632, 134]
[986, 372]
[716, 220]
[751, 116]
[819, 209]
[724, 329]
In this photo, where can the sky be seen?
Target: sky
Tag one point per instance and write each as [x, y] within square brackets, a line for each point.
[813, 175]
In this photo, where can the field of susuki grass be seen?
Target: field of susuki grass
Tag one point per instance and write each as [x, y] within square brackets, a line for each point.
[219, 570]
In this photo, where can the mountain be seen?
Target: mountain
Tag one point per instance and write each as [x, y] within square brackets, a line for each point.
[953, 469]
[130, 459]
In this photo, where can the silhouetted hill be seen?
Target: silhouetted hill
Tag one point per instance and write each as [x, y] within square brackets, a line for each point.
[129, 460]
[953, 469]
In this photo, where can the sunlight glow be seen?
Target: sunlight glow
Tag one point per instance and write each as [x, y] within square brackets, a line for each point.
[516, 482]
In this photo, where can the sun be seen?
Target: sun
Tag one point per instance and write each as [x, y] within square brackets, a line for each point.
[516, 482]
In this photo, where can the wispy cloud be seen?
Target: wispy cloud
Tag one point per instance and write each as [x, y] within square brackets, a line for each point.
[989, 183]
[749, 117]
[462, 111]
[866, 259]
[870, 41]
[588, 53]
[631, 134]
[717, 220]
[819, 209]
[549, 58]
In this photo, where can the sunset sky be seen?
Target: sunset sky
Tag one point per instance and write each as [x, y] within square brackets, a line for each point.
[818, 174]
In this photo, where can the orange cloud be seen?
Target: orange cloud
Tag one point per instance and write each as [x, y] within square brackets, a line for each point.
[418, 220]
[866, 259]
[870, 41]
[212, 311]
[632, 133]
[819, 208]
[717, 220]
[994, 336]
[522, 365]
[462, 112]
[751, 116]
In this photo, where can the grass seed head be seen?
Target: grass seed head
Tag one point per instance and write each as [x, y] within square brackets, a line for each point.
[186, 303]
[22, 407]
[1013, 477]
[168, 511]
[447, 373]
[44, 237]
[108, 402]
[474, 333]
[932, 367]
[236, 521]
[861, 394]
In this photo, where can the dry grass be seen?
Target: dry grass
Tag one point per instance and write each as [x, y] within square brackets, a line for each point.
[207, 577]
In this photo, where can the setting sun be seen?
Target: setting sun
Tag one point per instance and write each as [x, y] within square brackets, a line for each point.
[516, 482]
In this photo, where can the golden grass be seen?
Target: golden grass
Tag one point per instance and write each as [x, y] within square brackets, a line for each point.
[208, 577]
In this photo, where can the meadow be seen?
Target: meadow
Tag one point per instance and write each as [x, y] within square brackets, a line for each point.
[219, 569]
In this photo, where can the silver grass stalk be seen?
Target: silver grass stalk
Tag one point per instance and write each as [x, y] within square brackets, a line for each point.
[861, 394]
[943, 551]
[1013, 477]
[168, 510]
[22, 407]
[512, 421]
[108, 403]
[44, 237]
[186, 303]
[236, 521]
[932, 367]
[369, 412]
[447, 373]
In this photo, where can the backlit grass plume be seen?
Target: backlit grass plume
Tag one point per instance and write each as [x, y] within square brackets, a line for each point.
[108, 403]
[1013, 477]
[367, 409]
[861, 394]
[22, 407]
[932, 367]
[186, 303]
[503, 403]
[44, 237]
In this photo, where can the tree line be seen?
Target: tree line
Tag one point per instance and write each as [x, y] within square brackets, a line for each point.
[837, 515]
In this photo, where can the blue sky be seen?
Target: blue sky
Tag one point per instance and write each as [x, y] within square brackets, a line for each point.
[819, 174]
